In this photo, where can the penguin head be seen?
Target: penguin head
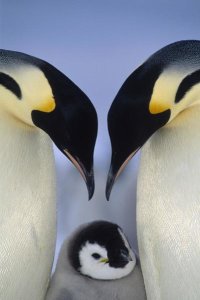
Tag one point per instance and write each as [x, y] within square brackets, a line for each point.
[152, 96]
[36, 94]
[101, 251]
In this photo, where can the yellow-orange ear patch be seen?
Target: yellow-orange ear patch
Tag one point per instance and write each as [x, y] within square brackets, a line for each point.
[47, 105]
[156, 106]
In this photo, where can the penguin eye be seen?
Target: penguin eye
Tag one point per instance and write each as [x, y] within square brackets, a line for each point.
[96, 255]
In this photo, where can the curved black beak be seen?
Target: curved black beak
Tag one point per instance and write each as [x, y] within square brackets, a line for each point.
[118, 163]
[110, 182]
[88, 175]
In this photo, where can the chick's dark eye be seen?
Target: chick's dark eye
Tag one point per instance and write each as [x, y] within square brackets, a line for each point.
[96, 255]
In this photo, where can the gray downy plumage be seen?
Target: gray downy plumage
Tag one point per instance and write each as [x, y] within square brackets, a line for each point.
[69, 284]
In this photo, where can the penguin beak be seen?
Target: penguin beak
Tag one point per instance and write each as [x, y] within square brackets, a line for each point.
[74, 132]
[104, 260]
[116, 167]
[88, 176]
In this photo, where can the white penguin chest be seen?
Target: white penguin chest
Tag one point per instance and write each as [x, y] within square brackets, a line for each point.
[27, 213]
[168, 210]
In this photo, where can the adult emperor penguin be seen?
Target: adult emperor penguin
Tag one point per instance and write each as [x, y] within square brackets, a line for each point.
[164, 91]
[35, 99]
[97, 263]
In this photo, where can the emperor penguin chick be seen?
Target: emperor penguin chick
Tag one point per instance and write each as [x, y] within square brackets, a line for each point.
[97, 263]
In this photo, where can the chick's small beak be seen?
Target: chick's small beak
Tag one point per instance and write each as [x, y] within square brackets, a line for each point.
[104, 260]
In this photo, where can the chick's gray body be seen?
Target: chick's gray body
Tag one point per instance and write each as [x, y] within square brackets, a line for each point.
[69, 284]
